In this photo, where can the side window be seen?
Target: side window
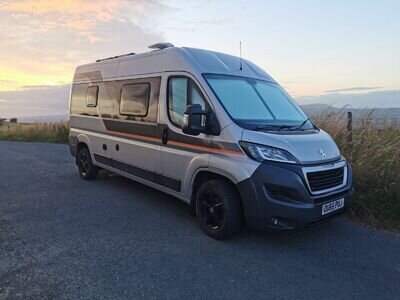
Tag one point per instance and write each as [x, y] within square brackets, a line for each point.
[92, 96]
[182, 91]
[177, 99]
[135, 99]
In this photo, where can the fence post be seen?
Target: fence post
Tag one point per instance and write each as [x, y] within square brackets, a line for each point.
[350, 133]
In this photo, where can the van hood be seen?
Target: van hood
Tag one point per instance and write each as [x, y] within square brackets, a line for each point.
[307, 148]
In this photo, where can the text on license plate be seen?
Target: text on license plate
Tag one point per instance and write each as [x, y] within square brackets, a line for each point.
[332, 206]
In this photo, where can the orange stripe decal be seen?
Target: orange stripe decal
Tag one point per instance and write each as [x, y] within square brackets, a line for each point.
[176, 143]
[204, 148]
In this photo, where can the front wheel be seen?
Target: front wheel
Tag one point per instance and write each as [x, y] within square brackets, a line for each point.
[218, 209]
[87, 170]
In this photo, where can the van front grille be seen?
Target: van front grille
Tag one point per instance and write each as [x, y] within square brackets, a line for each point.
[324, 180]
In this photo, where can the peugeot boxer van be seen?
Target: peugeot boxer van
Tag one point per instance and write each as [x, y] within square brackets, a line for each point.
[211, 129]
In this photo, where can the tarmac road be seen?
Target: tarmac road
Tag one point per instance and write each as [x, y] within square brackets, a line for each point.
[112, 238]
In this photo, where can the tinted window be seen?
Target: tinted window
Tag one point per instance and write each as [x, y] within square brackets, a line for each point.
[135, 99]
[195, 96]
[182, 92]
[177, 99]
[92, 96]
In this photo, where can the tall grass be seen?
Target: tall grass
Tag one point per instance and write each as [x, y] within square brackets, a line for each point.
[36, 132]
[375, 159]
[374, 156]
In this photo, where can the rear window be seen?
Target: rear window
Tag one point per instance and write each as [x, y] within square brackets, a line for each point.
[135, 99]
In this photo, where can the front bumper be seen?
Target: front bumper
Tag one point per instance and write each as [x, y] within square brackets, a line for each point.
[277, 196]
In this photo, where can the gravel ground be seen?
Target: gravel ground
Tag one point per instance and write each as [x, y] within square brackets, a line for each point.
[112, 238]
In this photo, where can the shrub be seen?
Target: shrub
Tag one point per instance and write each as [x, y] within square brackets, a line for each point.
[36, 132]
[375, 158]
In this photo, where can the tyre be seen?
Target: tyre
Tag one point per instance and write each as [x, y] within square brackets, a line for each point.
[218, 209]
[87, 170]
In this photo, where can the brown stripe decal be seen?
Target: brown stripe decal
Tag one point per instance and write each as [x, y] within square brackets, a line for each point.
[152, 134]
[180, 144]
[136, 129]
[137, 136]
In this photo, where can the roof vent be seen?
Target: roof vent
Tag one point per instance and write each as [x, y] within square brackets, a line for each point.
[161, 46]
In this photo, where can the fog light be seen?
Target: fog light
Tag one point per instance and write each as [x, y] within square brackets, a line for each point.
[275, 221]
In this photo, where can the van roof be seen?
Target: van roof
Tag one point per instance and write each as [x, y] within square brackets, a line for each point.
[192, 60]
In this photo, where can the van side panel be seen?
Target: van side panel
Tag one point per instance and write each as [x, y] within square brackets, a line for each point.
[107, 96]
[85, 121]
[78, 101]
[119, 141]
[136, 137]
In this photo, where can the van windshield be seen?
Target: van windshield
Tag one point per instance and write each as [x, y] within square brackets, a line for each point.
[258, 104]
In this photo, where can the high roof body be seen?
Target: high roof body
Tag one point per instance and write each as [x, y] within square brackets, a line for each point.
[192, 60]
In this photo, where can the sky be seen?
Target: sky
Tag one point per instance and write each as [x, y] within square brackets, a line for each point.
[332, 52]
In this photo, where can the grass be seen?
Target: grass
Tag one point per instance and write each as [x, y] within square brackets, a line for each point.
[36, 132]
[375, 158]
[374, 155]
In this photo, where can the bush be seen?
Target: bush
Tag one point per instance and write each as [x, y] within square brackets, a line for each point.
[36, 132]
[375, 158]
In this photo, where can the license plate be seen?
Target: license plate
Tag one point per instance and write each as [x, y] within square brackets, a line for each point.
[332, 206]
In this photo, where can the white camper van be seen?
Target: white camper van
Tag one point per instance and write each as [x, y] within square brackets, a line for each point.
[212, 129]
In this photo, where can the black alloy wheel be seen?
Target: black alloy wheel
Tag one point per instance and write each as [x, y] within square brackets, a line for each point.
[218, 209]
[87, 170]
[212, 210]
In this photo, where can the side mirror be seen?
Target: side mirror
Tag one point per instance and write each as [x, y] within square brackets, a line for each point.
[194, 120]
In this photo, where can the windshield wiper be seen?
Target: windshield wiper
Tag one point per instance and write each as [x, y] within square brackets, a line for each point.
[274, 127]
[300, 127]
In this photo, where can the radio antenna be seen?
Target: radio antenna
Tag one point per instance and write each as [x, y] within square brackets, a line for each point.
[240, 51]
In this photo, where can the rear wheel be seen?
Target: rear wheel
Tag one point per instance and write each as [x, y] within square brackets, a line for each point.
[87, 170]
[218, 209]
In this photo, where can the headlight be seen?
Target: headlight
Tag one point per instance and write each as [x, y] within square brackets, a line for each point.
[261, 153]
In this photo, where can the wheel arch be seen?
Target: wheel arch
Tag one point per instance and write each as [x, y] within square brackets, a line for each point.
[204, 175]
[82, 142]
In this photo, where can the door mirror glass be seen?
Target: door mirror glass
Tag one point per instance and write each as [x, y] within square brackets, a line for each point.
[194, 120]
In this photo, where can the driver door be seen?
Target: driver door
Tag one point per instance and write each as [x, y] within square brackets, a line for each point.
[180, 152]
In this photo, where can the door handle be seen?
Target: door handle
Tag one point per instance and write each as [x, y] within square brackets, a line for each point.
[164, 135]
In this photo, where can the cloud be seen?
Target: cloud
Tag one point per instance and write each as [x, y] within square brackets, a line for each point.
[355, 89]
[35, 101]
[221, 21]
[388, 98]
[43, 41]
[81, 16]
[53, 100]
[44, 86]
[85, 12]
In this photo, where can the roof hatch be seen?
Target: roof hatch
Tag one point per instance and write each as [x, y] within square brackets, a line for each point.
[161, 46]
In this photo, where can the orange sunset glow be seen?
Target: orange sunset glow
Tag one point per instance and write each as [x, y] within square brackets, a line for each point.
[309, 52]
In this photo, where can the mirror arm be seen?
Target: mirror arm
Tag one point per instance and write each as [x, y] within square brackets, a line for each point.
[211, 124]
